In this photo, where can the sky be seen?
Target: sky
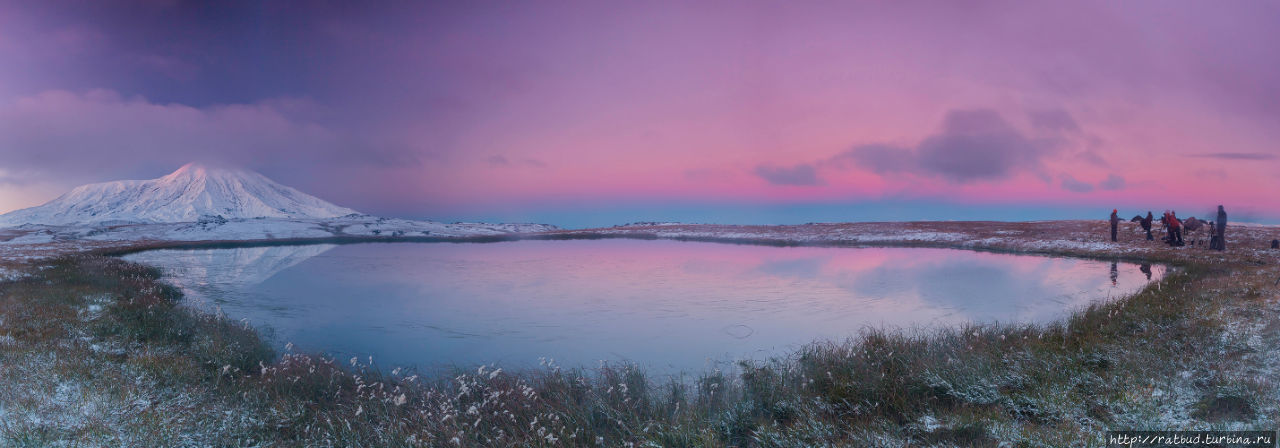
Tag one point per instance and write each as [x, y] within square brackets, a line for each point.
[599, 113]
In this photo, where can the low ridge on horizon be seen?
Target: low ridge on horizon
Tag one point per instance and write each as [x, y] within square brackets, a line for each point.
[193, 191]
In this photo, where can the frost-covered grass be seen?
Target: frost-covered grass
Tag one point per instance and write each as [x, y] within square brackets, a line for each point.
[95, 351]
[98, 353]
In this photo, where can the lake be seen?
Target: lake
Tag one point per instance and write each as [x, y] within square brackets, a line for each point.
[670, 306]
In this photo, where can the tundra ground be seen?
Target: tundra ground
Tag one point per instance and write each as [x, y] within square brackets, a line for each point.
[95, 351]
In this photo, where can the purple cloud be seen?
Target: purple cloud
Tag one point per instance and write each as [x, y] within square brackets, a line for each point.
[1113, 182]
[1054, 120]
[1210, 174]
[1071, 184]
[708, 174]
[1092, 157]
[973, 145]
[800, 175]
[880, 159]
[1236, 155]
[977, 145]
[502, 161]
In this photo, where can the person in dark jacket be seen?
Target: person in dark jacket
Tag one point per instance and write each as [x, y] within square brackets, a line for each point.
[1146, 225]
[1219, 241]
[1175, 230]
[1115, 224]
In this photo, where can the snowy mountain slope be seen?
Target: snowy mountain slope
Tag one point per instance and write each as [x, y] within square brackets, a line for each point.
[186, 195]
[199, 203]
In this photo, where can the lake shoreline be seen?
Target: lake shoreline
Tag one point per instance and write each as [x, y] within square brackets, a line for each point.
[1059, 384]
[1080, 239]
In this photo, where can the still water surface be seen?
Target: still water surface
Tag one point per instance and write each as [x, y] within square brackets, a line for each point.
[671, 306]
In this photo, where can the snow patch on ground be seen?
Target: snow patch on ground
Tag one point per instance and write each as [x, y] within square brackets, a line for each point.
[1076, 245]
[648, 224]
[37, 237]
[7, 274]
[910, 236]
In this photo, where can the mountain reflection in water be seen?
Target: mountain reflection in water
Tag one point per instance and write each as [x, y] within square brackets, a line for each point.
[669, 305]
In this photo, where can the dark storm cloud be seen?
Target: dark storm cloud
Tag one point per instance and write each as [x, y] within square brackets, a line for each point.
[973, 145]
[799, 175]
[193, 52]
[78, 137]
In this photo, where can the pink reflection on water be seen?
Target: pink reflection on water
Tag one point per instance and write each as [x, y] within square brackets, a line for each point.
[668, 305]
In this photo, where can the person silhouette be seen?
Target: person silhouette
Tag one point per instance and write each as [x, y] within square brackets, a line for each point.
[1115, 224]
[1146, 225]
[1219, 241]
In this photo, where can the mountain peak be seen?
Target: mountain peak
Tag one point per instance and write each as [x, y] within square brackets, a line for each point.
[200, 169]
[191, 168]
[185, 195]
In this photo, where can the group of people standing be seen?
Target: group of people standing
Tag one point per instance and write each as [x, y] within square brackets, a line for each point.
[1173, 228]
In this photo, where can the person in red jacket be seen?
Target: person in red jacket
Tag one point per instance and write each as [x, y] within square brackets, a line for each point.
[1175, 230]
[1168, 232]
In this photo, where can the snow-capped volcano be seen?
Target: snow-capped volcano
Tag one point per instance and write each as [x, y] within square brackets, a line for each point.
[192, 192]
